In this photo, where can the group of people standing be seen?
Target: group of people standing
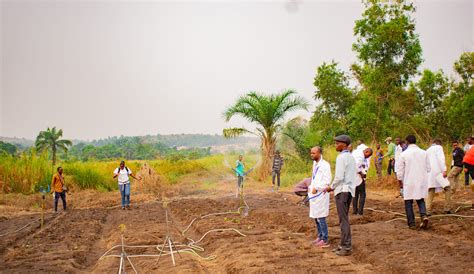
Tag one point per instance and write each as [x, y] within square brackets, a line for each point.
[420, 175]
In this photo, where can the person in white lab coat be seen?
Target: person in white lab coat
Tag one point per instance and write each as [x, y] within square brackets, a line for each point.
[412, 175]
[362, 159]
[436, 175]
[318, 197]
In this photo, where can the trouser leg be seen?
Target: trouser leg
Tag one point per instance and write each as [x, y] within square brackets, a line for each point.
[56, 198]
[429, 200]
[122, 194]
[343, 201]
[362, 193]
[421, 207]
[447, 199]
[355, 201]
[318, 228]
[409, 213]
[453, 177]
[63, 198]
[278, 178]
[323, 228]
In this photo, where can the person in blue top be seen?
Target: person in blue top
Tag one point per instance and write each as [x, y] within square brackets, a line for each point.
[240, 172]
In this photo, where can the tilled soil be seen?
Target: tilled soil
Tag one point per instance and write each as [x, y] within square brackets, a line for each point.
[278, 238]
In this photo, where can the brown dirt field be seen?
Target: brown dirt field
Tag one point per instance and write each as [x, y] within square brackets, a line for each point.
[278, 235]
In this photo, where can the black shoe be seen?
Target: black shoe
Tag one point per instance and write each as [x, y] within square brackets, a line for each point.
[448, 212]
[344, 252]
[424, 223]
[428, 214]
[123, 208]
[412, 227]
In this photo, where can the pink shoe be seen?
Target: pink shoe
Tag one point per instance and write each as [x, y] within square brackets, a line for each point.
[318, 244]
[324, 244]
[316, 241]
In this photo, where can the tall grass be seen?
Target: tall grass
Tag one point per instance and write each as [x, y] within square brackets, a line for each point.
[25, 173]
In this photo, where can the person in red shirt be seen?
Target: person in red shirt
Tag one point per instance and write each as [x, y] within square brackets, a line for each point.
[468, 162]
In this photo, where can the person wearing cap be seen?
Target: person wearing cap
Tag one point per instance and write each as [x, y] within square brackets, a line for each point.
[276, 169]
[412, 174]
[343, 186]
[390, 155]
[124, 173]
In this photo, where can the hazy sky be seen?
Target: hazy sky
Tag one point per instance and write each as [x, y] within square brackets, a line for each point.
[98, 69]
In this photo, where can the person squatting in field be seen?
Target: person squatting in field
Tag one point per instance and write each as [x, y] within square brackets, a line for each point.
[124, 173]
[318, 197]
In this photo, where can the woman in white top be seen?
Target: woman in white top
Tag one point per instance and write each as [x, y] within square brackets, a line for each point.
[124, 173]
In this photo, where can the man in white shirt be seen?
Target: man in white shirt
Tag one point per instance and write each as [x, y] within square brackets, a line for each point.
[124, 173]
[412, 174]
[362, 160]
[343, 186]
[318, 197]
[437, 176]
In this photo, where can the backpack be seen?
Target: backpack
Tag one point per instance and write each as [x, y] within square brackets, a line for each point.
[126, 168]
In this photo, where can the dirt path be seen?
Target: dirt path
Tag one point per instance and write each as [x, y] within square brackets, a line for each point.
[278, 234]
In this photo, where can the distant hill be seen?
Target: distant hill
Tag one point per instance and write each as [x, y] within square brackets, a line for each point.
[173, 140]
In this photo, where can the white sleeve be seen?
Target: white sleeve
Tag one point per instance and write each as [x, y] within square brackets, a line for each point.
[400, 167]
[116, 171]
[427, 163]
[129, 171]
[442, 160]
[327, 176]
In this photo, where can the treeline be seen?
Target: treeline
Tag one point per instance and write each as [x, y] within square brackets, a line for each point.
[130, 148]
[180, 140]
[384, 93]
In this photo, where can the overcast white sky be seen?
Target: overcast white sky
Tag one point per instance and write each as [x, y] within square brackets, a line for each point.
[98, 69]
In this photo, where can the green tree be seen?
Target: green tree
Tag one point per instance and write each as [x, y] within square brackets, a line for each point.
[389, 54]
[460, 103]
[336, 97]
[268, 113]
[7, 148]
[50, 140]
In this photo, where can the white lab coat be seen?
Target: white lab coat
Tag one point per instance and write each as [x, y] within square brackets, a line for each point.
[413, 169]
[361, 148]
[362, 165]
[319, 205]
[438, 165]
[398, 152]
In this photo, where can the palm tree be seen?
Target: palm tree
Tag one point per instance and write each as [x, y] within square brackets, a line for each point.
[49, 140]
[268, 113]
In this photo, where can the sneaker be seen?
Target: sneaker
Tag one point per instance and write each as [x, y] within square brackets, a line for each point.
[424, 223]
[344, 252]
[316, 241]
[123, 208]
[412, 227]
[325, 244]
[448, 212]
[128, 207]
[337, 249]
[428, 213]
